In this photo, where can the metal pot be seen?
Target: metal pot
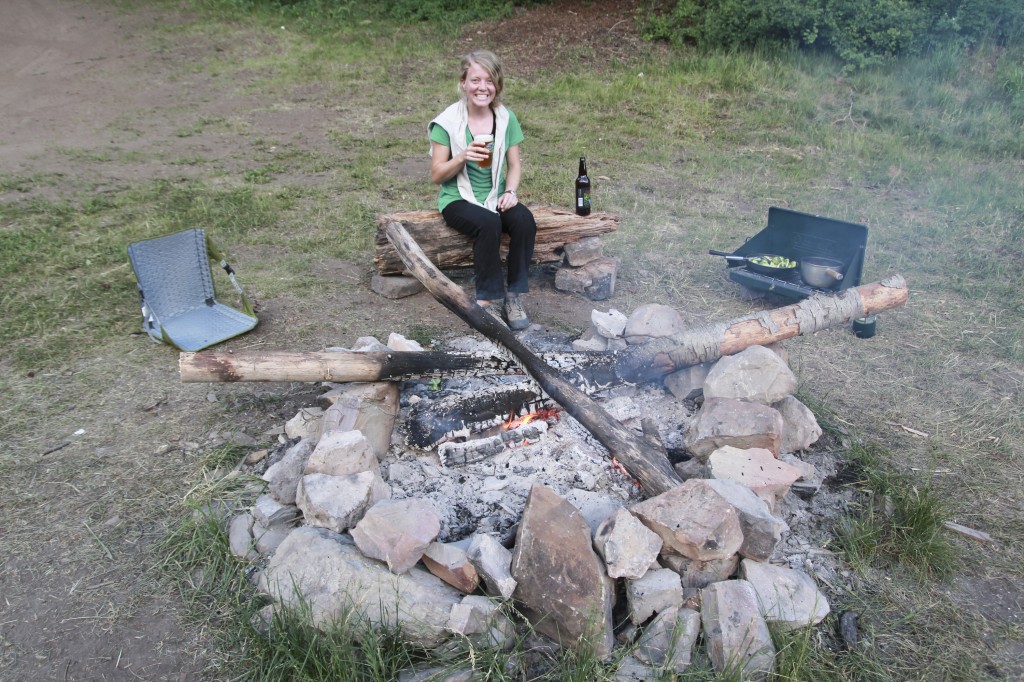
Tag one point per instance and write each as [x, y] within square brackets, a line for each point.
[823, 273]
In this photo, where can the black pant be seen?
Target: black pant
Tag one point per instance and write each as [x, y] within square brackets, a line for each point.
[485, 228]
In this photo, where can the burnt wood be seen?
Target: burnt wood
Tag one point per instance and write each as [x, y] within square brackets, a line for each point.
[589, 370]
[448, 249]
[650, 468]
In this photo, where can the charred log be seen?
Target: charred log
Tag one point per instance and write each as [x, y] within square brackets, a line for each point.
[460, 416]
[651, 469]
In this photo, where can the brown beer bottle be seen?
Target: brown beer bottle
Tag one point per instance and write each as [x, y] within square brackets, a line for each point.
[583, 189]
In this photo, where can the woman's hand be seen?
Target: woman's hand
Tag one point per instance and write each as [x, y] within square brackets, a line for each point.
[476, 151]
[507, 200]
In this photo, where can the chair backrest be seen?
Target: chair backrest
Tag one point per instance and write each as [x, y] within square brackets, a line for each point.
[173, 272]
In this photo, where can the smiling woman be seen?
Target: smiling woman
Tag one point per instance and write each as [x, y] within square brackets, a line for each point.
[474, 148]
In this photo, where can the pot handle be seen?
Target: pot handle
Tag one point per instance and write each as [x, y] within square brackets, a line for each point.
[834, 274]
[727, 255]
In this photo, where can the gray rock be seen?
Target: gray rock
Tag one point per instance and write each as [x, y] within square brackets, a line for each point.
[397, 532]
[692, 468]
[787, 596]
[602, 274]
[331, 577]
[801, 429]
[688, 383]
[631, 669]
[270, 512]
[240, 536]
[492, 561]
[627, 546]
[653, 321]
[451, 564]
[369, 408]
[575, 280]
[395, 286]
[590, 340]
[693, 520]
[369, 344]
[669, 639]
[305, 424]
[595, 506]
[653, 593]
[695, 574]
[268, 539]
[338, 502]
[579, 253]
[340, 453]
[741, 424]
[736, 634]
[283, 476]
[562, 585]
[762, 531]
[610, 325]
[399, 343]
[481, 620]
[755, 373]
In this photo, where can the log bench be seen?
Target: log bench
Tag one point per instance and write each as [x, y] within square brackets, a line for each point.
[448, 249]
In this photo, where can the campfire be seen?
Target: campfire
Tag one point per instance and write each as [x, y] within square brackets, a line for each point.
[679, 471]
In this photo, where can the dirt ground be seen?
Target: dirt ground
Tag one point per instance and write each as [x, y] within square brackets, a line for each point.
[79, 596]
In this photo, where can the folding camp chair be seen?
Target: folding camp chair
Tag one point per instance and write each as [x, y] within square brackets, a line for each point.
[179, 305]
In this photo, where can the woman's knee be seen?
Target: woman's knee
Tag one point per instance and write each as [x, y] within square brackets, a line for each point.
[519, 220]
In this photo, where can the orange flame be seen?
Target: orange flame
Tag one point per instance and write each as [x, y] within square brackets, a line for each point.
[515, 422]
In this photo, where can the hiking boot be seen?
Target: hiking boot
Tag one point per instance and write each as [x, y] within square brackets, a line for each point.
[491, 309]
[515, 314]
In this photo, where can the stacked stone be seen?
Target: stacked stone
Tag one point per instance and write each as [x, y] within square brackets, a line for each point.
[586, 270]
[701, 557]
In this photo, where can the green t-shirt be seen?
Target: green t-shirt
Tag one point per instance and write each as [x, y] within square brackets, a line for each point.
[479, 178]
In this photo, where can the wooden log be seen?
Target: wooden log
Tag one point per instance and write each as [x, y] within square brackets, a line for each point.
[448, 249]
[337, 366]
[651, 469]
[660, 357]
[590, 371]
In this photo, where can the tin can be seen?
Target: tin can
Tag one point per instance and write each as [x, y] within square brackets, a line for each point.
[864, 327]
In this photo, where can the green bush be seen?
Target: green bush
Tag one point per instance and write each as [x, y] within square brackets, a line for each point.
[861, 32]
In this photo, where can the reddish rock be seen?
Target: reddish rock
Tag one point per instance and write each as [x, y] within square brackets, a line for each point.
[741, 424]
[451, 564]
[755, 468]
[693, 520]
[562, 584]
[397, 532]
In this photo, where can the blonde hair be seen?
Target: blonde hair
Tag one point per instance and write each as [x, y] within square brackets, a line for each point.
[491, 63]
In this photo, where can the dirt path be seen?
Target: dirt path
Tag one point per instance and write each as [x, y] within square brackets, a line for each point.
[76, 607]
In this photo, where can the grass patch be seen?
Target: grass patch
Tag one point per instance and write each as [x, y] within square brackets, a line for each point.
[900, 520]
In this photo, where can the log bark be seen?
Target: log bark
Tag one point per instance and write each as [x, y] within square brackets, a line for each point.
[589, 371]
[337, 366]
[660, 357]
[448, 249]
[651, 469]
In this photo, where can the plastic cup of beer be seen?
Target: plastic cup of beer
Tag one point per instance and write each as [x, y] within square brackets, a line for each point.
[487, 140]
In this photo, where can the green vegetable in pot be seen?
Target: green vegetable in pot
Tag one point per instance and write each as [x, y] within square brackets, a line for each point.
[773, 262]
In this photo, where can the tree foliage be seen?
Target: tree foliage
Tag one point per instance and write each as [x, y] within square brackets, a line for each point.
[861, 32]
